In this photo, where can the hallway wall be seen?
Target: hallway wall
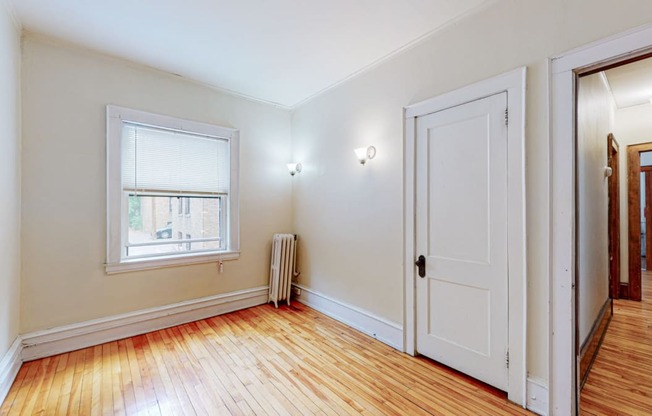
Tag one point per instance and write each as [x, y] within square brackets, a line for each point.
[595, 120]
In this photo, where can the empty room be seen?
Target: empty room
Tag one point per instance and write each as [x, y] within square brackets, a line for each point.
[327, 207]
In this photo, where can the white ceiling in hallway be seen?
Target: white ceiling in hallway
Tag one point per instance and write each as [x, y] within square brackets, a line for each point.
[282, 51]
[631, 84]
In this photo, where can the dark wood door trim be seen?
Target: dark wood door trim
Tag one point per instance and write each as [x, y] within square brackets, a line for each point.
[648, 219]
[591, 347]
[614, 217]
[647, 171]
[634, 216]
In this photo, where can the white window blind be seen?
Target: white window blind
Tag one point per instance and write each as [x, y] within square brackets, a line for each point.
[169, 161]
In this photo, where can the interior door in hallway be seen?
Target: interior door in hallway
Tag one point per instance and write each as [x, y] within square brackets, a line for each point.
[613, 186]
[462, 298]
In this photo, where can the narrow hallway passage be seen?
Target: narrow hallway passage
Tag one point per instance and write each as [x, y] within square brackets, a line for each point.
[620, 382]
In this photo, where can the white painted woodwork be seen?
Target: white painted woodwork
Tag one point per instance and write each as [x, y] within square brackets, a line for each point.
[512, 82]
[462, 303]
[10, 186]
[564, 69]
[62, 339]
[384, 330]
[10, 363]
[537, 397]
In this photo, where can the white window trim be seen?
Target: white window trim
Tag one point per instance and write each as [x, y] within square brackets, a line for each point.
[115, 116]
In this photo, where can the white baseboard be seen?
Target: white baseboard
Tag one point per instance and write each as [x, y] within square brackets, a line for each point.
[383, 330]
[9, 366]
[537, 396]
[85, 334]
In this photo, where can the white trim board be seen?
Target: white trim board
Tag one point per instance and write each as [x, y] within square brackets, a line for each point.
[537, 396]
[9, 366]
[89, 333]
[385, 331]
[513, 83]
[563, 72]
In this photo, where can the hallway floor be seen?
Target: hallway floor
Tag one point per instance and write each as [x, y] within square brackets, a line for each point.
[620, 382]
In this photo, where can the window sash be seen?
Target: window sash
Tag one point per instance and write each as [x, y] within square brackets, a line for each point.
[116, 262]
[222, 238]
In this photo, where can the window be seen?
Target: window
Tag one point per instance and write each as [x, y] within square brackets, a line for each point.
[154, 162]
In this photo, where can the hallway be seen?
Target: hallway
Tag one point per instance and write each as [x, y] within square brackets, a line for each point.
[620, 382]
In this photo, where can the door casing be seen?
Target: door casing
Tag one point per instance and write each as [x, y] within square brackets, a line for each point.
[613, 154]
[635, 248]
[513, 83]
[564, 70]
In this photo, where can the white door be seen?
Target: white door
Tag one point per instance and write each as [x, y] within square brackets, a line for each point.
[462, 301]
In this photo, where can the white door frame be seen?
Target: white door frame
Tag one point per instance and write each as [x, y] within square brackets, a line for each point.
[514, 84]
[564, 68]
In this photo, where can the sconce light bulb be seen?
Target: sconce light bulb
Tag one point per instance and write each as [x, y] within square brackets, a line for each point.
[294, 168]
[365, 153]
[361, 154]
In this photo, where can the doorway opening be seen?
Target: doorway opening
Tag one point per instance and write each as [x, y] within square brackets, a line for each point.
[639, 168]
[614, 235]
[565, 69]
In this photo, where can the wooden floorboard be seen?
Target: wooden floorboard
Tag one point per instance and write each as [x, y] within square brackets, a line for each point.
[620, 381]
[259, 361]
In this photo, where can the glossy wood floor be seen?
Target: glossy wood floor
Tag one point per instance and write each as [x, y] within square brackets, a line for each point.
[620, 381]
[260, 361]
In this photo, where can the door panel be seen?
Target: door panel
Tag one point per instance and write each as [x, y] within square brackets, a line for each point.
[462, 302]
[459, 211]
[466, 303]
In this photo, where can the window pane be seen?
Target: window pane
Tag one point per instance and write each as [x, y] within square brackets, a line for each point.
[156, 229]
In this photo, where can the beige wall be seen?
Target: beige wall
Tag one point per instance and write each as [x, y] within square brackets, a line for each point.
[65, 91]
[350, 217]
[595, 120]
[633, 125]
[9, 180]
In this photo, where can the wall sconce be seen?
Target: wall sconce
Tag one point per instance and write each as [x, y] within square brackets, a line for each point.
[294, 168]
[365, 153]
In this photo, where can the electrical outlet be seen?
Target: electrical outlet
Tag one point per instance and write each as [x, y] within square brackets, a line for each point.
[296, 291]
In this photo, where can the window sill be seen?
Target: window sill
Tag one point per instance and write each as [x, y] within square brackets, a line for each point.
[169, 261]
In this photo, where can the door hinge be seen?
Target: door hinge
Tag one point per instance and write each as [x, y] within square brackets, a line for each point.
[507, 359]
[507, 117]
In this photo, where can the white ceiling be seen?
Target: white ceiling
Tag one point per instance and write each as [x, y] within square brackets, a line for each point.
[281, 51]
[631, 84]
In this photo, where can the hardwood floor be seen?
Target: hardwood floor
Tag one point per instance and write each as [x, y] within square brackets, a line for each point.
[260, 361]
[620, 382]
